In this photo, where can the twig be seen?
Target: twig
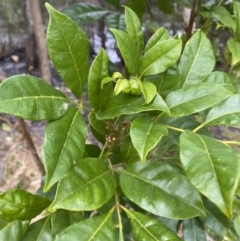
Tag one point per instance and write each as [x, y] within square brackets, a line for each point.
[191, 20]
[30, 145]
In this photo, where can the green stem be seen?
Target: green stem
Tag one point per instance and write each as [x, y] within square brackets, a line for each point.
[120, 227]
[198, 128]
[103, 149]
[175, 129]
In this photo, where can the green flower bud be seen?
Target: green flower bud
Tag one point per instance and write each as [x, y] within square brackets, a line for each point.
[135, 87]
[126, 86]
[116, 76]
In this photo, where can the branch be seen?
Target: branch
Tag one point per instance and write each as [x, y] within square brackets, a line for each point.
[30, 145]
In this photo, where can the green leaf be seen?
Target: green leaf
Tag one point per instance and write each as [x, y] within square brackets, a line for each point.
[160, 57]
[237, 224]
[212, 167]
[143, 134]
[218, 77]
[22, 205]
[84, 12]
[92, 150]
[146, 228]
[114, 3]
[13, 231]
[165, 6]
[215, 220]
[160, 189]
[222, 15]
[193, 230]
[166, 82]
[128, 104]
[128, 49]
[128, 151]
[234, 48]
[159, 36]
[134, 28]
[88, 187]
[31, 98]
[68, 47]
[195, 98]
[99, 125]
[47, 228]
[97, 228]
[98, 96]
[63, 146]
[137, 6]
[197, 60]
[236, 8]
[227, 112]
[117, 21]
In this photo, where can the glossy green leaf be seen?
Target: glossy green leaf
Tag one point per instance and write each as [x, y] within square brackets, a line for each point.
[68, 47]
[88, 187]
[160, 189]
[165, 82]
[92, 150]
[236, 8]
[47, 228]
[134, 28]
[159, 36]
[128, 151]
[160, 57]
[193, 230]
[31, 98]
[237, 224]
[84, 12]
[218, 77]
[212, 167]
[13, 231]
[197, 60]
[221, 14]
[215, 220]
[165, 6]
[195, 98]
[96, 228]
[137, 6]
[149, 229]
[99, 125]
[234, 48]
[22, 205]
[114, 3]
[63, 146]
[143, 134]
[117, 21]
[227, 112]
[98, 96]
[128, 49]
[128, 104]
[170, 223]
